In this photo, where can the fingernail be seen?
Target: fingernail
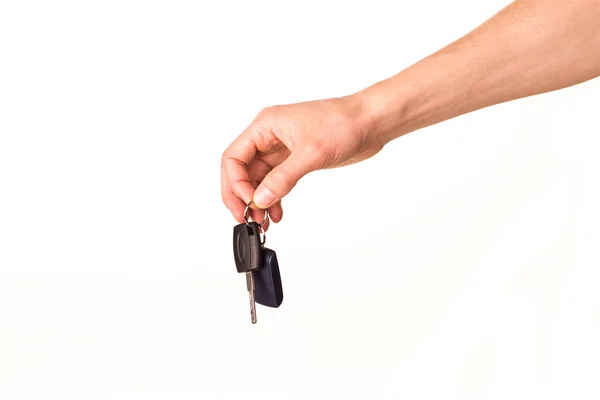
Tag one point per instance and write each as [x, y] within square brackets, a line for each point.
[264, 198]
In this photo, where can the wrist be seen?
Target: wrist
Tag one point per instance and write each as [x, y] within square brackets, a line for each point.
[428, 92]
[382, 110]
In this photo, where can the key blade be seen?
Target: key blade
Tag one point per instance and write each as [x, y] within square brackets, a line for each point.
[250, 285]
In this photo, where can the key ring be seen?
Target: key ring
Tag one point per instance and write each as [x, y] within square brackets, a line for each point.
[246, 215]
[263, 235]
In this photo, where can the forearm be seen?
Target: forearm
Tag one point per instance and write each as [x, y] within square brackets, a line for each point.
[528, 48]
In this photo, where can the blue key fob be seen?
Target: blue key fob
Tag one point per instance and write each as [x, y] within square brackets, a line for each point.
[267, 281]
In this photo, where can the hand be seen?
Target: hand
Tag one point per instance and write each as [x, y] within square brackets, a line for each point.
[284, 143]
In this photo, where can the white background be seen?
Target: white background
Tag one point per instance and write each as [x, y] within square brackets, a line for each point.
[461, 262]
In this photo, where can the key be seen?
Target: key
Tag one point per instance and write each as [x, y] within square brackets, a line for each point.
[267, 281]
[251, 293]
[247, 250]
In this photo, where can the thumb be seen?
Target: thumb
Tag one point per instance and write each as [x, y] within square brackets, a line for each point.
[282, 179]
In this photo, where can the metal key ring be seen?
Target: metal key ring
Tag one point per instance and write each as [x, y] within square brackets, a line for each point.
[263, 235]
[246, 215]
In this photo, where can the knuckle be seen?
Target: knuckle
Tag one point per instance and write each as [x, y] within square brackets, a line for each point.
[261, 135]
[264, 138]
[263, 113]
[270, 112]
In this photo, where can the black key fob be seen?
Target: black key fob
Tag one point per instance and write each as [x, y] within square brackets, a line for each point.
[267, 281]
[247, 247]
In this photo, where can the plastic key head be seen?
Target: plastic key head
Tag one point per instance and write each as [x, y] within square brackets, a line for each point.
[247, 247]
[267, 281]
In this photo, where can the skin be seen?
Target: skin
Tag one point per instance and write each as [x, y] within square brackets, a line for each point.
[528, 48]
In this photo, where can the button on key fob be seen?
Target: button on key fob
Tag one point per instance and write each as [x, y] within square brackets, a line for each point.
[267, 281]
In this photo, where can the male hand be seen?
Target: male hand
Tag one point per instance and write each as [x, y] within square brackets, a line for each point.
[284, 143]
[528, 48]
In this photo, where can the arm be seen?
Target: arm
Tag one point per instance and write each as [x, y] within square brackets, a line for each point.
[528, 48]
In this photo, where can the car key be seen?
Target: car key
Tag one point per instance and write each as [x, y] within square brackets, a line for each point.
[247, 250]
[267, 281]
